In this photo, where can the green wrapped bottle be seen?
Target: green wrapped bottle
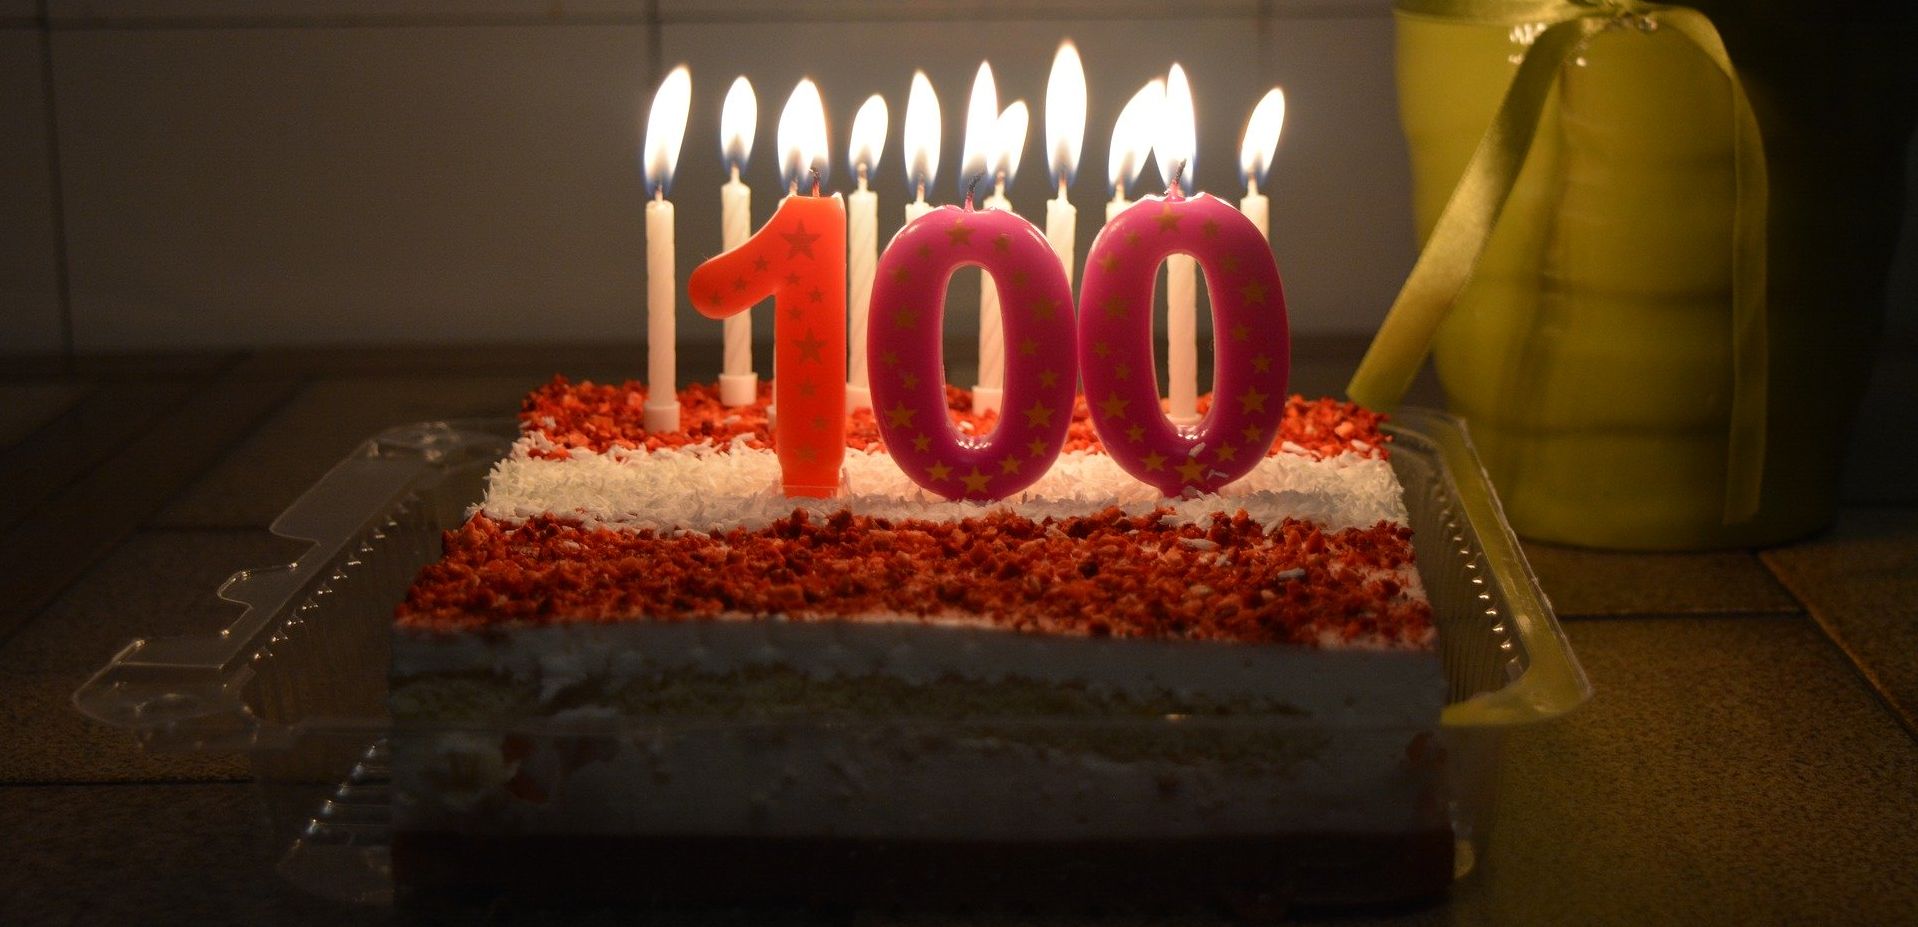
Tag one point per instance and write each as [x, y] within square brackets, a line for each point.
[1591, 352]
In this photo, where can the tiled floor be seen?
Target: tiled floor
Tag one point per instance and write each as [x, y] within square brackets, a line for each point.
[1750, 757]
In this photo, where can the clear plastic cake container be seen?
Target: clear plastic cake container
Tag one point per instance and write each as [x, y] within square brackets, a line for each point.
[298, 682]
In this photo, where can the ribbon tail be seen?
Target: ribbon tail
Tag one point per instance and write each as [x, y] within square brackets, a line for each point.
[1745, 450]
[1464, 227]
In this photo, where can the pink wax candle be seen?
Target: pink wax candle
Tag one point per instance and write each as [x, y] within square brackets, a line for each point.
[1251, 343]
[906, 363]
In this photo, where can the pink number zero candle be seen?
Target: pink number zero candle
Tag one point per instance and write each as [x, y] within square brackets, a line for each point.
[1251, 343]
[907, 367]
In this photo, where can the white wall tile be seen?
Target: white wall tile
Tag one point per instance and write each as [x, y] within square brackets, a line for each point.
[1341, 182]
[29, 270]
[273, 186]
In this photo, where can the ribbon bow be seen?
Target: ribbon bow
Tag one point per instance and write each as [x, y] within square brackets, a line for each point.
[1465, 225]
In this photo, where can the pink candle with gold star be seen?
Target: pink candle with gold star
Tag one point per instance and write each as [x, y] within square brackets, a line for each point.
[799, 259]
[1251, 342]
[906, 362]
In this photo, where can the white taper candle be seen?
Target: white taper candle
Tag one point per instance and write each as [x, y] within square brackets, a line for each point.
[738, 383]
[662, 395]
[862, 242]
[1061, 220]
[989, 392]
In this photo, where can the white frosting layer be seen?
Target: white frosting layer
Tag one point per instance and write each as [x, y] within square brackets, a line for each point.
[702, 488]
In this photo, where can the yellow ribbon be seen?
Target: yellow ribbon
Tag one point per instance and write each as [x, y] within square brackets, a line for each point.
[1465, 225]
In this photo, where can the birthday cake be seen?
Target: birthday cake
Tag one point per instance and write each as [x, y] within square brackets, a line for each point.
[639, 664]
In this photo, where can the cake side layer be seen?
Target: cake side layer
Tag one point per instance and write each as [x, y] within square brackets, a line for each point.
[660, 666]
[1227, 579]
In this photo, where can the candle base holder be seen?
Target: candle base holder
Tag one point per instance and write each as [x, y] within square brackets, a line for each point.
[664, 417]
[857, 397]
[737, 389]
[987, 399]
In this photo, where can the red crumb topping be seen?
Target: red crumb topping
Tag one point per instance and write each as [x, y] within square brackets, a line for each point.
[600, 417]
[1107, 574]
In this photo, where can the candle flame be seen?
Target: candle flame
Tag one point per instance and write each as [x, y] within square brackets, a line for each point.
[802, 137]
[665, 129]
[738, 120]
[1009, 140]
[922, 132]
[868, 135]
[982, 123]
[1178, 133]
[1065, 113]
[1132, 135]
[1262, 136]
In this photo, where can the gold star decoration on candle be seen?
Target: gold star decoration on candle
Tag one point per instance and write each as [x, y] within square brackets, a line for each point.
[1241, 332]
[939, 471]
[975, 481]
[1114, 406]
[1009, 466]
[1252, 401]
[1227, 452]
[1028, 347]
[1045, 308]
[1048, 378]
[1253, 293]
[1167, 219]
[900, 416]
[1039, 416]
[1154, 461]
[1262, 363]
[1003, 242]
[811, 348]
[960, 233]
[1109, 262]
[922, 443]
[1135, 433]
[1210, 229]
[1037, 447]
[1121, 371]
[1191, 470]
[800, 241]
[1114, 307]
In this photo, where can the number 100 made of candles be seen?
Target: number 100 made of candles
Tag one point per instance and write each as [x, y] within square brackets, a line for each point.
[1108, 341]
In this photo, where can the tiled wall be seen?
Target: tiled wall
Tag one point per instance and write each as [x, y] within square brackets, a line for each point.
[214, 173]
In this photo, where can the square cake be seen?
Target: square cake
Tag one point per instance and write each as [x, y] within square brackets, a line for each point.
[640, 670]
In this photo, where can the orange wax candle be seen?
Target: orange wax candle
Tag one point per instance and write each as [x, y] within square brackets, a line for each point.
[799, 259]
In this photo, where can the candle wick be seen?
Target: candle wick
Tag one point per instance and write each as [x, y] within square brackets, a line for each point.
[1251, 185]
[735, 167]
[1062, 187]
[970, 185]
[1172, 188]
[659, 193]
[999, 184]
[919, 191]
[815, 181]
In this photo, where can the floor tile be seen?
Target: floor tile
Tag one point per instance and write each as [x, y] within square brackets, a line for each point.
[1883, 464]
[57, 541]
[1590, 582]
[101, 422]
[26, 407]
[256, 482]
[157, 584]
[1728, 771]
[149, 854]
[1860, 581]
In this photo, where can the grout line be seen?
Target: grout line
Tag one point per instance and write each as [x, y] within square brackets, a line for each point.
[56, 190]
[1879, 690]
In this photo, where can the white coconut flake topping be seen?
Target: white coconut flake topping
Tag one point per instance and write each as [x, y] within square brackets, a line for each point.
[703, 488]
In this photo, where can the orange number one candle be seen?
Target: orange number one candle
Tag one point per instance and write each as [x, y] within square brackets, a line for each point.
[799, 259]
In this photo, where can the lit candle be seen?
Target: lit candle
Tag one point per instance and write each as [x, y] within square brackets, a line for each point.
[738, 119]
[665, 129]
[1065, 132]
[908, 392]
[1173, 149]
[1255, 157]
[922, 143]
[1250, 341]
[1132, 142]
[994, 143]
[862, 231]
[798, 258]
